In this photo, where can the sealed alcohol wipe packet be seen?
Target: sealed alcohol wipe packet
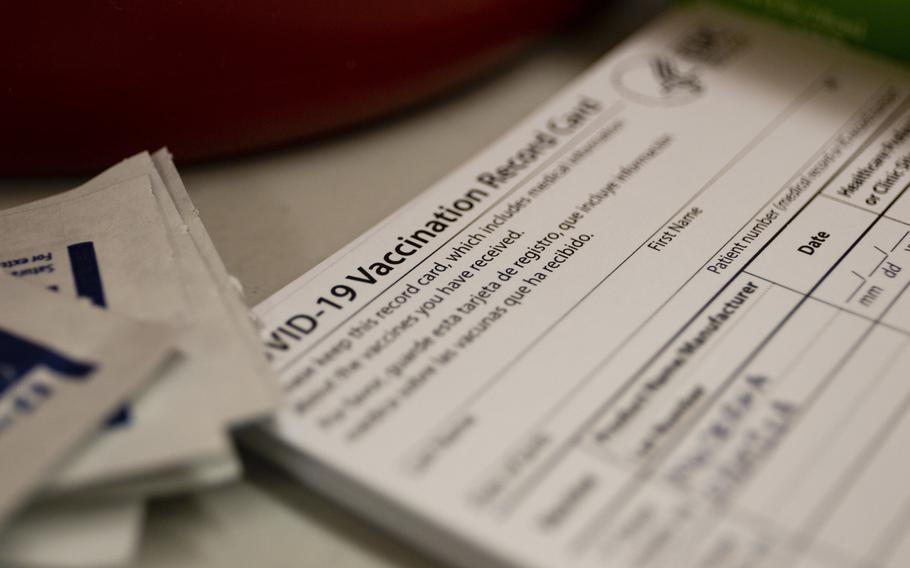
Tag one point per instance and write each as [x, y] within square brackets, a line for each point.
[65, 368]
[130, 241]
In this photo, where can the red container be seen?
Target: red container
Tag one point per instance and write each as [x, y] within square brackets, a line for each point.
[85, 84]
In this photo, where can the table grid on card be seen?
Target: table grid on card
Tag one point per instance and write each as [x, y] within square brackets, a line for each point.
[852, 297]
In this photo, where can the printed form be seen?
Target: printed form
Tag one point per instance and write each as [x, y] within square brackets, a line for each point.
[662, 322]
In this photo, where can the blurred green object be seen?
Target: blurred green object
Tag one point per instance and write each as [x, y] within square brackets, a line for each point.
[882, 25]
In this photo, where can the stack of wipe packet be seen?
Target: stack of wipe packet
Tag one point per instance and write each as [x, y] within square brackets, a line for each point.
[126, 357]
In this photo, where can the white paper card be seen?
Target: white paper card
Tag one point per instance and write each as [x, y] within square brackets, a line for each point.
[662, 322]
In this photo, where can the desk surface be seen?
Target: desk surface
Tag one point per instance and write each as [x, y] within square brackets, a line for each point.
[275, 215]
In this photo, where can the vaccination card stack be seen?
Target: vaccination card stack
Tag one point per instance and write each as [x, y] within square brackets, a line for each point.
[126, 357]
[664, 321]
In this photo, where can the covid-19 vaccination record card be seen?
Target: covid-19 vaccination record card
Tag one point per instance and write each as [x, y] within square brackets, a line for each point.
[664, 321]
